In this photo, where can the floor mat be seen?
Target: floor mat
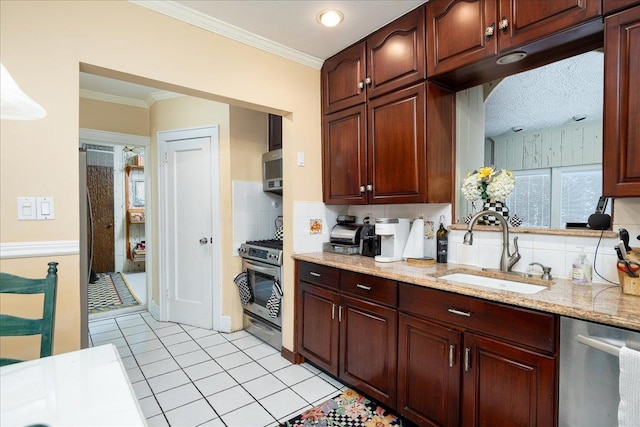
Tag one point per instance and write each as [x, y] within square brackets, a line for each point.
[110, 292]
[349, 409]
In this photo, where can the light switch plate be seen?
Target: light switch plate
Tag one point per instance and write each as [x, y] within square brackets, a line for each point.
[26, 208]
[300, 158]
[45, 208]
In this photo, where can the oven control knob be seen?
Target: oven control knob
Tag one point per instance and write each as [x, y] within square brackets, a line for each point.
[242, 250]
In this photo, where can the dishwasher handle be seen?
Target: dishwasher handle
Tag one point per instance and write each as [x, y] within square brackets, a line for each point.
[599, 345]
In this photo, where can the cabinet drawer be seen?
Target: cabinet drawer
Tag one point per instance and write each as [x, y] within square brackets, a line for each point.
[319, 274]
[370, 287]
[520, 325]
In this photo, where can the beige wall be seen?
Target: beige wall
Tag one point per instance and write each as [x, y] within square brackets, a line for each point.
[249, 139]
[110, 117]
[45, 43]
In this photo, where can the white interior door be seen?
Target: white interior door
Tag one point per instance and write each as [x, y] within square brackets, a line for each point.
[190, 248]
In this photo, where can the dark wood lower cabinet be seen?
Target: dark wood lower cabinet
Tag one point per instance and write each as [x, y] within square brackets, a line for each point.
[428, 372]
[319, 328]
[504, 383]
[368, 348]
[438, 359]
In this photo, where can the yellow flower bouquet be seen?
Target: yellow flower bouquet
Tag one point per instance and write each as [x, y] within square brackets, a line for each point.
[487, 183]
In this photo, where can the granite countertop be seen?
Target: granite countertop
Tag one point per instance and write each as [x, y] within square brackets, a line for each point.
[598, 302]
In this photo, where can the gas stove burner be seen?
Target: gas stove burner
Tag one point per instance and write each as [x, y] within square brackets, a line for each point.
[270, 243]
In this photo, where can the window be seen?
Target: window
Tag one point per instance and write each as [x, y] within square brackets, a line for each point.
[552, 197]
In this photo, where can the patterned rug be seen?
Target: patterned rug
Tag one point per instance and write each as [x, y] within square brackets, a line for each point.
[110, 292]
[349, 409]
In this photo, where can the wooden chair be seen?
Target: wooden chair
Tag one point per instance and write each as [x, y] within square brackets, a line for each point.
[19, 326]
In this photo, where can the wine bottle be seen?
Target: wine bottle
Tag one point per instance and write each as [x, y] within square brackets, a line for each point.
[442, 238]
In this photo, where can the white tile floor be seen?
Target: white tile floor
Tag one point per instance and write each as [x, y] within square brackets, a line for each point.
[185, 376]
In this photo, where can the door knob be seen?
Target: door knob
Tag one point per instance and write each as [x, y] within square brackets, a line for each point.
[204, 241]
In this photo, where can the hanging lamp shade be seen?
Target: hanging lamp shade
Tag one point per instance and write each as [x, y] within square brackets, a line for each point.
[14, 103]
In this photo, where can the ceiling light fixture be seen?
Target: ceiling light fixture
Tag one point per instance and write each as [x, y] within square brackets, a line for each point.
[330, 17]
[511, 58]
[14, 103]
[579, 118]
[517, 128]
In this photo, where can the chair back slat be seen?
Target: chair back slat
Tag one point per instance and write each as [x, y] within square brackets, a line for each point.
[11, 325]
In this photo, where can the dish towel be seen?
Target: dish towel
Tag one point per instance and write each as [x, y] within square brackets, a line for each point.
[273, 305]
[629, 408]
[244, 290]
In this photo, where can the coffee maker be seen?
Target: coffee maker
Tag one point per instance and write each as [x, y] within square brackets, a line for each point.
[393, 234]
[369, 240]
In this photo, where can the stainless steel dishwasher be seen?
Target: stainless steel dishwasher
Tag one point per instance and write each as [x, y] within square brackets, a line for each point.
[589, 372]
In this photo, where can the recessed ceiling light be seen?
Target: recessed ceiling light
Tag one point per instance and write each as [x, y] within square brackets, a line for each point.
[517, 128]
[330, 18]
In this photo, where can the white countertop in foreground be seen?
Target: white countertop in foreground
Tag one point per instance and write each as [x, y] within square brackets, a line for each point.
[87, 387]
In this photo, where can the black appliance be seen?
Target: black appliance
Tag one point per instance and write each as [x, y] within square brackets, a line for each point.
[369, 241]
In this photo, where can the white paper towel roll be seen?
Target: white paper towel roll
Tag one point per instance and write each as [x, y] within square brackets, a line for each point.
[414, 248]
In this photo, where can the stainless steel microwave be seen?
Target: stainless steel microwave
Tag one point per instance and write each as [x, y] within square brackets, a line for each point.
[272, 171]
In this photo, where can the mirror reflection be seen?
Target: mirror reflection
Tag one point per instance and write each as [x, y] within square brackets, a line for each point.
[544, 125]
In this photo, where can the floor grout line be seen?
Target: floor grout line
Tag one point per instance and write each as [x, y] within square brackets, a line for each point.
[149, 322]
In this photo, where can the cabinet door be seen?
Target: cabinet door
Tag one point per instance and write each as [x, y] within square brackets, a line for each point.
[396, 158]
[456, 33]
[368, 348]
[532, 20]
[318, 326]
[428, 372]
[344, 174]
[343, 78]
[396, 54]
[506, 385]
[621, 142]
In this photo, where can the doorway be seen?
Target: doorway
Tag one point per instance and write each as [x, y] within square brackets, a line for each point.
[115, 283]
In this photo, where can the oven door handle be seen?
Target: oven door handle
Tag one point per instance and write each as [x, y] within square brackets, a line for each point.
[272, 271]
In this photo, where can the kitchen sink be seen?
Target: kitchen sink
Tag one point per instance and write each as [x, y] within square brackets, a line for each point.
[493, 283]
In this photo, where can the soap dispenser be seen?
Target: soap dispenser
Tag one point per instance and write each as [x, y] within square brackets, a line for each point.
[581, 270]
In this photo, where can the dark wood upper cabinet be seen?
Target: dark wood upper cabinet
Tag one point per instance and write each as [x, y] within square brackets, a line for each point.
[456, 34]
[396, 54]
[466, 37]
[343, 78]
[525, 20]
[391, 58]
[382, 155]
[275, 132]
[621, 133]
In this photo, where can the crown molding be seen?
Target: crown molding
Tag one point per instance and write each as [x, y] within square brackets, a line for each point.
[98, 96]
[161, 96]
[115, 99]
[200, 20]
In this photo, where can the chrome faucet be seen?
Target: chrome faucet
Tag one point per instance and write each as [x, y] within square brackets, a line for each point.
[508, 260]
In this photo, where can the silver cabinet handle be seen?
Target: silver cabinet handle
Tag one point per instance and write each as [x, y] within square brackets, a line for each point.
[360, 85]
[467, 359]
[361, 189]
[365, 287]
[340, 314]
[459, 312]
[204, 241]
[333, 311]
[368, 81]
[370, 187]
[314, 274]
[452, 349]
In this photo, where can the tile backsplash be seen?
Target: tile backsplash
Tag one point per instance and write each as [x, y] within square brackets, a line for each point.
[557, 252]
[254, 213]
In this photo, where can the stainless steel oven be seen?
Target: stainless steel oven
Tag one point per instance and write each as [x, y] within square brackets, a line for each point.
[262, 261]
